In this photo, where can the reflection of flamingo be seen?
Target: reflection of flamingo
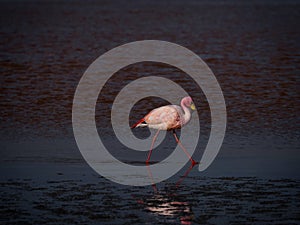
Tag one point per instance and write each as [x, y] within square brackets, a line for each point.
[168, 203]
[169, 117]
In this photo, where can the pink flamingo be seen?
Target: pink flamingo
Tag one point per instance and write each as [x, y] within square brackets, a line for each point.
[169, 117]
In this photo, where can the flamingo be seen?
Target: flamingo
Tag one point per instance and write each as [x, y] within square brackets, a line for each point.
[169, 118]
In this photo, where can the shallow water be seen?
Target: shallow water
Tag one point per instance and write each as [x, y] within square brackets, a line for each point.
[253, 50]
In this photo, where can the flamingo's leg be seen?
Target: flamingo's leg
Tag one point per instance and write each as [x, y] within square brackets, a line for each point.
[185, 175]
[154, 139]
[151, 177]
[183, 148]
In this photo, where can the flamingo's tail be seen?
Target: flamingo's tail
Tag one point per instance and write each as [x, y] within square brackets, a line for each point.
[138, 123]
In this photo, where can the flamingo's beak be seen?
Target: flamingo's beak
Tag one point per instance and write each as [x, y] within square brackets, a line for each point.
[193, 106]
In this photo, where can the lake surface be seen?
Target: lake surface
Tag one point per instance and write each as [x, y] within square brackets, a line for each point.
[253, 50]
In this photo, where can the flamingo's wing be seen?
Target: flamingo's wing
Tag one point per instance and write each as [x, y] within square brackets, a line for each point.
[169, 115]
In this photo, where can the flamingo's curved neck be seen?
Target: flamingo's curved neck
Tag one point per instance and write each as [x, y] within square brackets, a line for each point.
[187, 113]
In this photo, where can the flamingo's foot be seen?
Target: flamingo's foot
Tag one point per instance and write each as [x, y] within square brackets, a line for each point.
[147, 162]
[194, 163]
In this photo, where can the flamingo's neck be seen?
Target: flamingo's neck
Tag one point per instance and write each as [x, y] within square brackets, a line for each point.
[187, 113]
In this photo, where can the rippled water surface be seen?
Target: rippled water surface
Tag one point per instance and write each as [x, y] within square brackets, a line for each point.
[253, 50]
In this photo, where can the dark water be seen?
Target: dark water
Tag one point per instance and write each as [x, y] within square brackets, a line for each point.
[253, 50]
[70, 194]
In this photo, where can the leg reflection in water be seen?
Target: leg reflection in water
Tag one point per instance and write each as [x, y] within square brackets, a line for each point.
[168, 203]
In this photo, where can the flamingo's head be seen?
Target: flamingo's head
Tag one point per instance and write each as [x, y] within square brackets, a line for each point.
[188, 101]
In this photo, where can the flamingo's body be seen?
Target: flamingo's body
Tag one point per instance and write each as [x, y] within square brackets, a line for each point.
[169, 117]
